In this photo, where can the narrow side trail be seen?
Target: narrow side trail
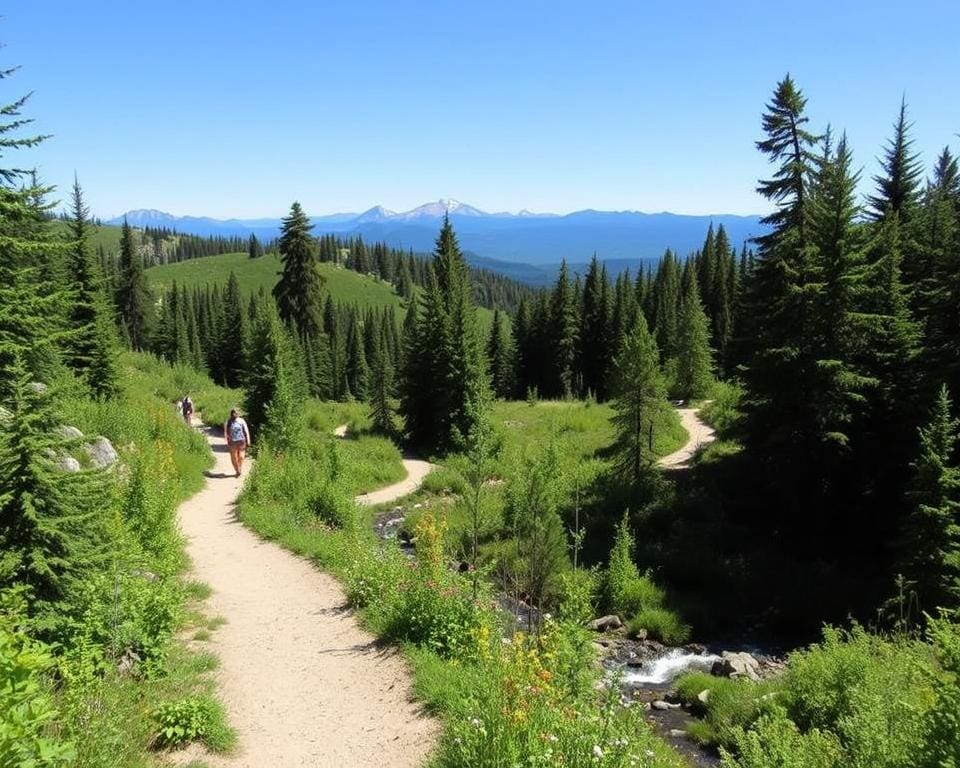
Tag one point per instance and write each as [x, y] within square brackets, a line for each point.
[416, 469]
[303, 684]
[699, 435]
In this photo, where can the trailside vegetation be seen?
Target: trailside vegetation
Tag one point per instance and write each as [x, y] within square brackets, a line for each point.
[93, 462]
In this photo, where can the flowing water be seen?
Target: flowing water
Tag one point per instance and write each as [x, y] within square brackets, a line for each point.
[665, 669]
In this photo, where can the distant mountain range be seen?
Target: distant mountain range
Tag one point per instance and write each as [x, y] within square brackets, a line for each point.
[525, 245]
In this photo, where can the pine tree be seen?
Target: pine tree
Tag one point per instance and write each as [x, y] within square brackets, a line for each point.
[936, 295]
[563, 324]
[694, 362]
[299, 290]
[444, 362]
[254, 248]
[270, 357]
[898, 185]
[594, 336]
[773, 313]
[381, 390]
[49, 529]
[638, 392]
[532, 513]
[134, 302]
[500, 359]
[234, 337]
[931, 552]
[666, 305]
[722, 291]
[92, 343]
[356, 360]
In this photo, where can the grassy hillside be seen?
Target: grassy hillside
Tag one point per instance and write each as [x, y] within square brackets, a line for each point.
[344, 285]
[253, 274]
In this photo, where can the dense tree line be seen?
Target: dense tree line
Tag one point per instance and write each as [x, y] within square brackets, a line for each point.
[850, 328]
[565, 340]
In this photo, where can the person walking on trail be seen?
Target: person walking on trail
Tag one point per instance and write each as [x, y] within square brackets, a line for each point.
[237, 434]
[186, 408]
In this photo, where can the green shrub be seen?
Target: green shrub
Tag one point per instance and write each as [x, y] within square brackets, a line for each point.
[732, 704]
[27, 710]
[578, 595]
[660, 624]
[776, 742]
[639, 595]
[329, 504]
[435, 614]
[941, 738]
[723, 414]
[844, 684]
[195, 718]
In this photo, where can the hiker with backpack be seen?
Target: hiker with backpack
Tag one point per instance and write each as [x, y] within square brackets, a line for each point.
[237, 434]
[186, 408]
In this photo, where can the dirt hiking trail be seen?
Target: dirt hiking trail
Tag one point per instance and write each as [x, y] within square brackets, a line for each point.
[302, 683]
[699, 435]
[416, 469]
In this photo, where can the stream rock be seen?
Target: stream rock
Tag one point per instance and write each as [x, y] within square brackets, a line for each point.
[734, 665]
[606, 623]
[663, 706]
[101, 452]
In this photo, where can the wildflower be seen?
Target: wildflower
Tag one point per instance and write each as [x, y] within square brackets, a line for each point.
[597, 752]
[475, 722]
[648, 753]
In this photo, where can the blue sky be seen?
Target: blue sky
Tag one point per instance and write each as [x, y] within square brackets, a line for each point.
[238, 108]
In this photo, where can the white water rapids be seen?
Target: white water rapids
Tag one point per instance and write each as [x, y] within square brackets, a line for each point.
[669, 666]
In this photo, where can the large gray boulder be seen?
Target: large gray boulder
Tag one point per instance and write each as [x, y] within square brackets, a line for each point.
[733, 665]
[101, 452]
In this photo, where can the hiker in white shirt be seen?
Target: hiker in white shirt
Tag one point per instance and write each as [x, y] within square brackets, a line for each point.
[237, 434]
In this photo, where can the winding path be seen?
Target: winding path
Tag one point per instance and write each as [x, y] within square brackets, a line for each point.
[302, 682]
[699, 434]
[417, 469]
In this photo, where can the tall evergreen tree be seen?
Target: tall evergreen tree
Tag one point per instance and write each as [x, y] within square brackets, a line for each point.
[774, 305]
[898, 186]
[666, 305]
[254, 248]
[299, 291]
[563, 325]
[446, 357]
[235, 333]
[637, 394]
[694, 362]
[381, 391]
[931, 551]
[92, 344]
[134, 303]
[500, 359]
[594, 336]
[357, 371]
